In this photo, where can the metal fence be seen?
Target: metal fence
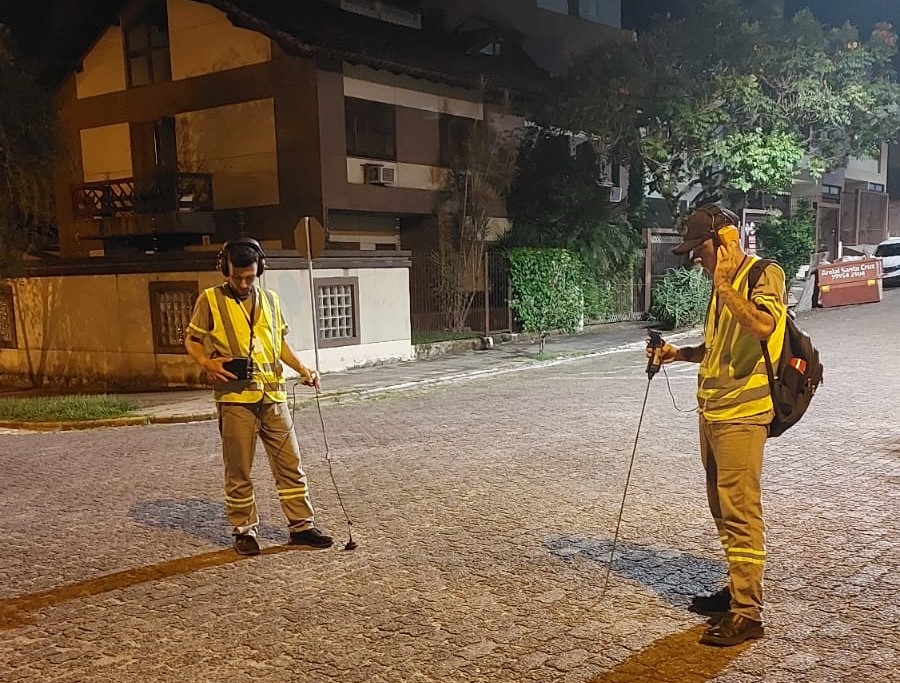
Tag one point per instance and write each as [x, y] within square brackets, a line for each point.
[486, 288]
[626, 298]
[489, 288]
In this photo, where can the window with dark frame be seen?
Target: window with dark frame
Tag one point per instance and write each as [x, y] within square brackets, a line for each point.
[7, 318]
[337, 308]
[147, 57]
[831, 193]
[371, 129]
[171, 306]
[454, 133]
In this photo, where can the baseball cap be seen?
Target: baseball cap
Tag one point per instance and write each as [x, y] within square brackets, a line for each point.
[702, 225]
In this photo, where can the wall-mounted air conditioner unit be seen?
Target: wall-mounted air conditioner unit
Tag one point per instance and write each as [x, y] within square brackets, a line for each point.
[378, 174]
[616, 194]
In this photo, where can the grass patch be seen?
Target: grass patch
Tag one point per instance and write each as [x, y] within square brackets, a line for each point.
[65, 408]
[439, 336]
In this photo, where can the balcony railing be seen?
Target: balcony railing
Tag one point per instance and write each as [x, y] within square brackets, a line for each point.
[158, 193]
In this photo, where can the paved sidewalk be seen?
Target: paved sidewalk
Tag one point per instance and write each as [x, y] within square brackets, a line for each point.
[349, 385]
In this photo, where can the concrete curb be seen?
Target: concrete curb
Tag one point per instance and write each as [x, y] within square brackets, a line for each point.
[345, 396]
[181, 418]
[138, 420]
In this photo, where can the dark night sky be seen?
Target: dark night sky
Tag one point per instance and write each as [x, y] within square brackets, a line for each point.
[29, 19]
[862, 13]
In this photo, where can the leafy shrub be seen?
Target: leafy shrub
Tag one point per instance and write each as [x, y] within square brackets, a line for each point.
[791, 240]
[546, 289]
[597, 295]
[680, 299]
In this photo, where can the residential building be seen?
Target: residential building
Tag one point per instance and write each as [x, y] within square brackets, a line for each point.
[551, 32]
[191, 122]
[852, 204]
[893, 189]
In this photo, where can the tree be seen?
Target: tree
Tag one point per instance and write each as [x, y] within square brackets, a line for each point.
[721, 102]
[475, 188]
[26, 159]
[789, 240]
[562, 200]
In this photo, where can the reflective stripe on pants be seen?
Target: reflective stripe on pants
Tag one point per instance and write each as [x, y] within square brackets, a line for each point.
[732, 455]
[240, 425]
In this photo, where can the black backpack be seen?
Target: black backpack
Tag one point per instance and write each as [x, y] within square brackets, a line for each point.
[794, 381]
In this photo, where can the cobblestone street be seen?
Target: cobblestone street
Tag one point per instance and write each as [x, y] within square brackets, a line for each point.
[484, 512]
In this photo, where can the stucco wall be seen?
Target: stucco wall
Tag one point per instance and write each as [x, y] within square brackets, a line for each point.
[384, 324]
[106, 152]
[236, 144]
[203, 41]
[103, 67]
[894, 218]
[869, 169]
[96, 330]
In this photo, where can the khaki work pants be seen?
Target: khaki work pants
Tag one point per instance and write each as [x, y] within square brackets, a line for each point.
[732, 455]
[239, 426]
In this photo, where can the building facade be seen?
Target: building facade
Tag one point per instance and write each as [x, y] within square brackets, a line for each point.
[187, 123]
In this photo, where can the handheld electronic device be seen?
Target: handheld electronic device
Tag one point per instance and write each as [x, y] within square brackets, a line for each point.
[242, 368]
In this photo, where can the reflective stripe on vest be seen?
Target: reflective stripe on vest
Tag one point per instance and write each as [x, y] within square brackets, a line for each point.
[732, 382]
[230, 336]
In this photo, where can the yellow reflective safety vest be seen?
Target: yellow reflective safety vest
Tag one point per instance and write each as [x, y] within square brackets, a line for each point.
[732, 382]
[230, 336]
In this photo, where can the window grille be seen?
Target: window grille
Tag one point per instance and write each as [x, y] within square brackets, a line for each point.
[171, 306]
[7, 318]
[337, 306]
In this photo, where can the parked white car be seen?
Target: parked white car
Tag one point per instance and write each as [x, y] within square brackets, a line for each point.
[889, 253]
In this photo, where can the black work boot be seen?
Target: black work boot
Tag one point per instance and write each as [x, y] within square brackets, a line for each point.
[734, 629]
[246, 544]
[311, 537]
[711, 603]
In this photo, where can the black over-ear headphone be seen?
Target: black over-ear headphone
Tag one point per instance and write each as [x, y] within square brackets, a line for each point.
[222, 259]
[719, 218]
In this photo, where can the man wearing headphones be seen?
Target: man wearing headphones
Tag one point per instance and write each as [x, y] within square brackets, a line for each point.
[236, 335]
[735, 407]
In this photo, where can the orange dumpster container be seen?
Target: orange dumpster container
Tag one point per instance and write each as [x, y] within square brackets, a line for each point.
[850, 282]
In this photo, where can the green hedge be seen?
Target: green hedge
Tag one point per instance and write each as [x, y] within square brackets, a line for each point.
[680, 299]
[547, 290]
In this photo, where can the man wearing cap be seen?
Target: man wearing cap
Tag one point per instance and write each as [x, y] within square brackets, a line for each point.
[735, 407]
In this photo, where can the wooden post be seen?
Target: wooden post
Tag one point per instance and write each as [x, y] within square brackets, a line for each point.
[509, 316]
[312, 294]
[487, 296]
[859, 197]
[648, 266]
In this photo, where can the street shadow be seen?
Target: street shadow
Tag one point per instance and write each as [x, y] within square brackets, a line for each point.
[196, 517]
[16, 612]
[677, 658]
[673, 575]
